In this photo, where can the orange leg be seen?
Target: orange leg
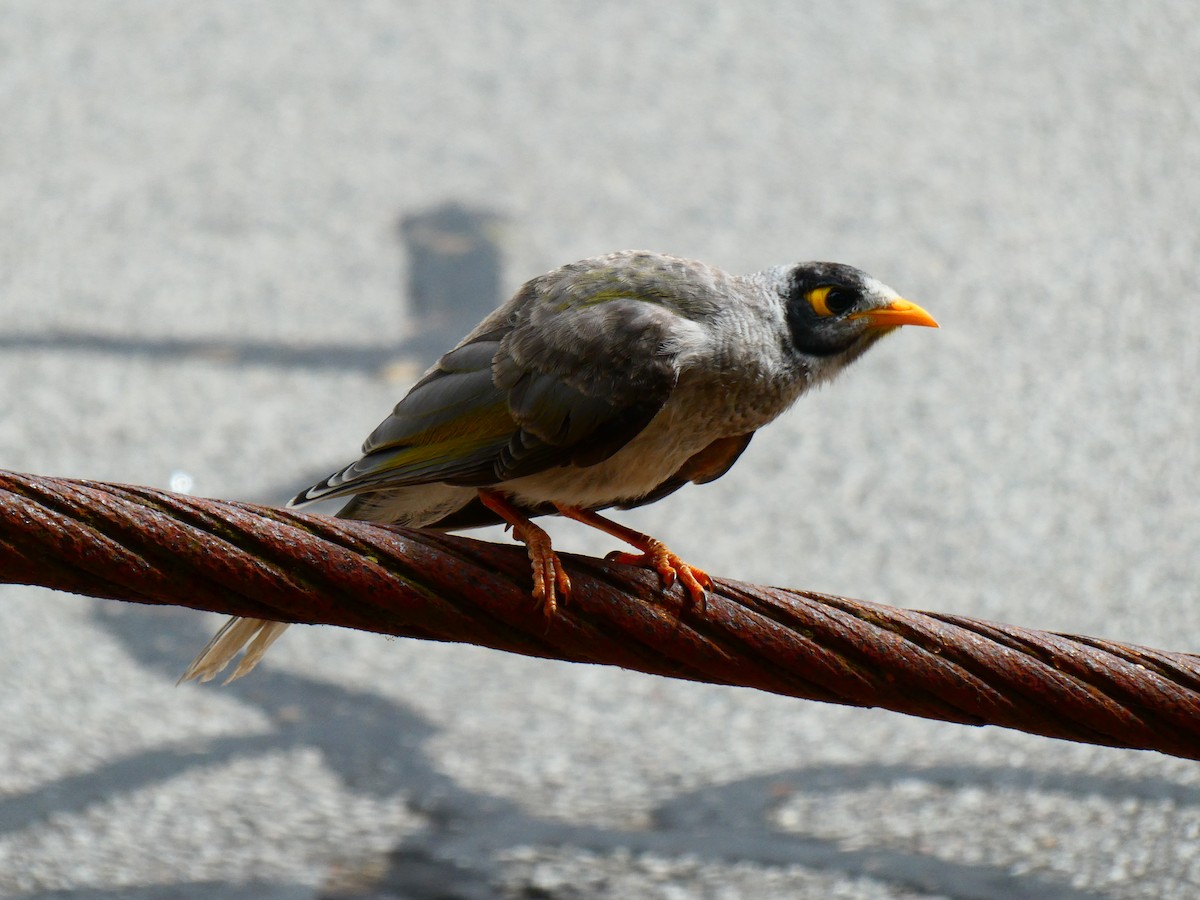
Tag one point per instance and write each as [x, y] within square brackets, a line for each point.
[548, 571]
[654, 555]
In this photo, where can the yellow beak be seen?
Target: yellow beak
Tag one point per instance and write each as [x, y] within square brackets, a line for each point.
[898, 312]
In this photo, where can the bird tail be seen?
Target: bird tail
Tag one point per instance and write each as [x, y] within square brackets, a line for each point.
[256, 635]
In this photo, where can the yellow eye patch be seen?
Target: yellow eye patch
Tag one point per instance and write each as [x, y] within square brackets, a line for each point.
[830, 300]
[817, 298]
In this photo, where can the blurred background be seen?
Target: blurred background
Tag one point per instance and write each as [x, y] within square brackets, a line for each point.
[232, 234]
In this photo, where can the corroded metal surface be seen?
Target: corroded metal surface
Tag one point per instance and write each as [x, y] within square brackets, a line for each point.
[149, 546]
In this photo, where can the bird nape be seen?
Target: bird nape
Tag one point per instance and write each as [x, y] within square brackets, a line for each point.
[609, 382]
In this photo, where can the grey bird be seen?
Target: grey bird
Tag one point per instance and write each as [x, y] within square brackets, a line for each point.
[609, 382]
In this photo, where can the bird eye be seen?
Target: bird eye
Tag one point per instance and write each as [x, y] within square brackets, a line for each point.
[828, 300]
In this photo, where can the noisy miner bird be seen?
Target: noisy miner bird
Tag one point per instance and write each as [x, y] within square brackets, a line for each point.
[612, 381]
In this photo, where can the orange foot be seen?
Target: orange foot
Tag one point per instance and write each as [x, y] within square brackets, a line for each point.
[550, 579]
[654, 555]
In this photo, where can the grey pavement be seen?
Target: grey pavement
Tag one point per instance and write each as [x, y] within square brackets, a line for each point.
[232, 233]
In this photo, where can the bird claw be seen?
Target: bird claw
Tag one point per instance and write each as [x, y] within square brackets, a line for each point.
[696, 582]
[550, 579]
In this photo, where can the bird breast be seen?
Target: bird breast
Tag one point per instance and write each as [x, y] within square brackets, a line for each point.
[705, 406]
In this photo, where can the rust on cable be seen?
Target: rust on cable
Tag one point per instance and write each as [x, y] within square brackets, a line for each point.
[149, 546]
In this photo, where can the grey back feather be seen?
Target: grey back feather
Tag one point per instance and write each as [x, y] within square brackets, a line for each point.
[577, 363]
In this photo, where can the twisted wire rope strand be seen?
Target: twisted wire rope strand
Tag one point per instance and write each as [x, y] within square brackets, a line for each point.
[150, 546]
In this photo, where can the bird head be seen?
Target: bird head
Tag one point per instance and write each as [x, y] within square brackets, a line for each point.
[835, 312]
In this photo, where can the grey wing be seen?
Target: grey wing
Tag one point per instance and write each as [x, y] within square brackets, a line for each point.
[536, 386]
[448, 427]
[583, 379]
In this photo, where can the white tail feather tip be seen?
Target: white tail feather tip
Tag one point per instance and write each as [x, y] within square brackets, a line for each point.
[256, 635]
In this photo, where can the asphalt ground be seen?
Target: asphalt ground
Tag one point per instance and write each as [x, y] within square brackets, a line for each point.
[231, 234]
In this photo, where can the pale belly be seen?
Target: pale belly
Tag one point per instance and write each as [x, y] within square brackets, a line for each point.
[693, 418]
[689, 423]
[632, 472]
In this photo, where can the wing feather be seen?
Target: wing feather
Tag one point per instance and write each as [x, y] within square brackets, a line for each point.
[567, 372]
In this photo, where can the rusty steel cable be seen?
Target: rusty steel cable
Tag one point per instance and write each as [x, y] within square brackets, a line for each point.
[150, 546]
